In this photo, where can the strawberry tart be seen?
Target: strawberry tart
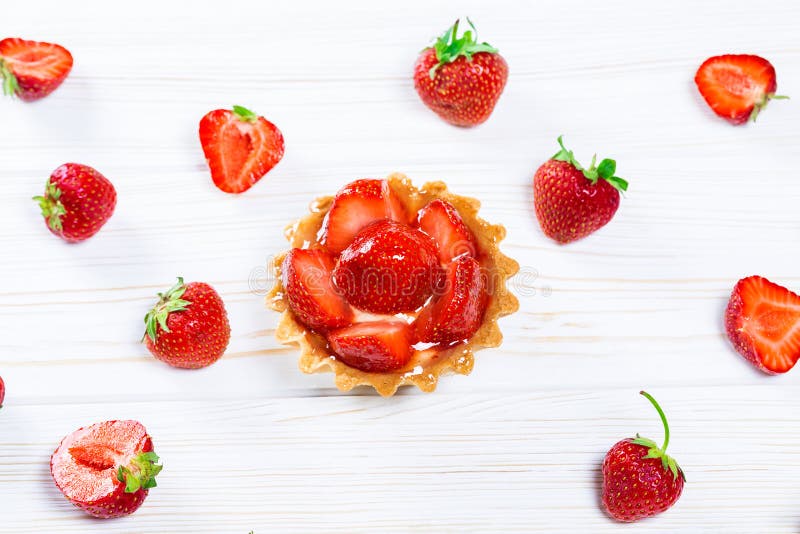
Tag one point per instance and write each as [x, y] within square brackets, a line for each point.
[389, 285]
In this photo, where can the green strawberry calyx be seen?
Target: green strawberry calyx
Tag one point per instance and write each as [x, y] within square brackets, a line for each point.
[763, 103]
[449, 46]
[168, 302]
[653, 450]
[10, 85]
[140, 473]
[51, 206]
[605, 170]
[244, 114]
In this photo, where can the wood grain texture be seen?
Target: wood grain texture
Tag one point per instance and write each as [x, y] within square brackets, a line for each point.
[250, 443]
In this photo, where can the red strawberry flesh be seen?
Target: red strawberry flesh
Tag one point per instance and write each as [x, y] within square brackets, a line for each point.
[312, 297]
[85, 467]
[240, 147]
[440, 220]
[31, 69]
[736, 86]
[373, 347]
[762, 321]
[457, 312]
[357, 205]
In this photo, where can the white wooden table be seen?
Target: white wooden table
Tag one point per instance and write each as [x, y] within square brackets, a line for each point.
[251, 443]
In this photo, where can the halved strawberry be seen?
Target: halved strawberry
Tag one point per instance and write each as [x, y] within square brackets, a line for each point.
[31, 69]
[106, 469]
[240, 147]
[443, 223]
[388, 268]
[456, 314]
[763, 323]
[306, 275]
[737, 86]
[374, 347]
[356, 205]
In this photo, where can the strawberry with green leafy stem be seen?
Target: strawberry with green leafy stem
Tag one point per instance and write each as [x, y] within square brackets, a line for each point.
[32, 70]
[571, 201]
[459, 78]
[188, 327]
[77, 202]
[639, 479]
[106, 469]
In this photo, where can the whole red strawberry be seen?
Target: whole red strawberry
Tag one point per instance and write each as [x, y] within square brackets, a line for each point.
[77, 202]
[32, 70]
[761, 321]
[188, 327]
[240, 147]
[459, 78]
[639, 479]
[737, 86]
[572, 202]
[388, 268]
[106, 469]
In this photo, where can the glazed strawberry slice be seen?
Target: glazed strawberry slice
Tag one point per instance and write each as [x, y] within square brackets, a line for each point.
[763, 323]
[240, 147]
[443, 223]
[31, 69]
[106, 469]
[313, 299]
[388, 268]
[737, 86]
[373, 347]
[357, 205]
[456, 314]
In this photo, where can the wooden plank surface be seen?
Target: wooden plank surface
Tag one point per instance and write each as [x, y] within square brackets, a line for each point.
[250, 443]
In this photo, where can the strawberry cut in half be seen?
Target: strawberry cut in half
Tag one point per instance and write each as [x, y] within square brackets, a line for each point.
[355, 206]
[106, 469]
[32, 70]
[312, 297]
[373, 347]
[240, 147]
[455, 314]
[440, 220]
[737, 86]
[762, 321]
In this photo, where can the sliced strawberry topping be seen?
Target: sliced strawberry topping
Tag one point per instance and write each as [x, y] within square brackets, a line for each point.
[442, 222]
[455, 314]
[374, 347]
[32, 70]
[763, 323]
[388, 268]
[357, 205]
[737, 87]
[306, 275]
[240, 147]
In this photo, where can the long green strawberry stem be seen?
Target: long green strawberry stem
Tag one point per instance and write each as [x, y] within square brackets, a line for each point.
[662, 416]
